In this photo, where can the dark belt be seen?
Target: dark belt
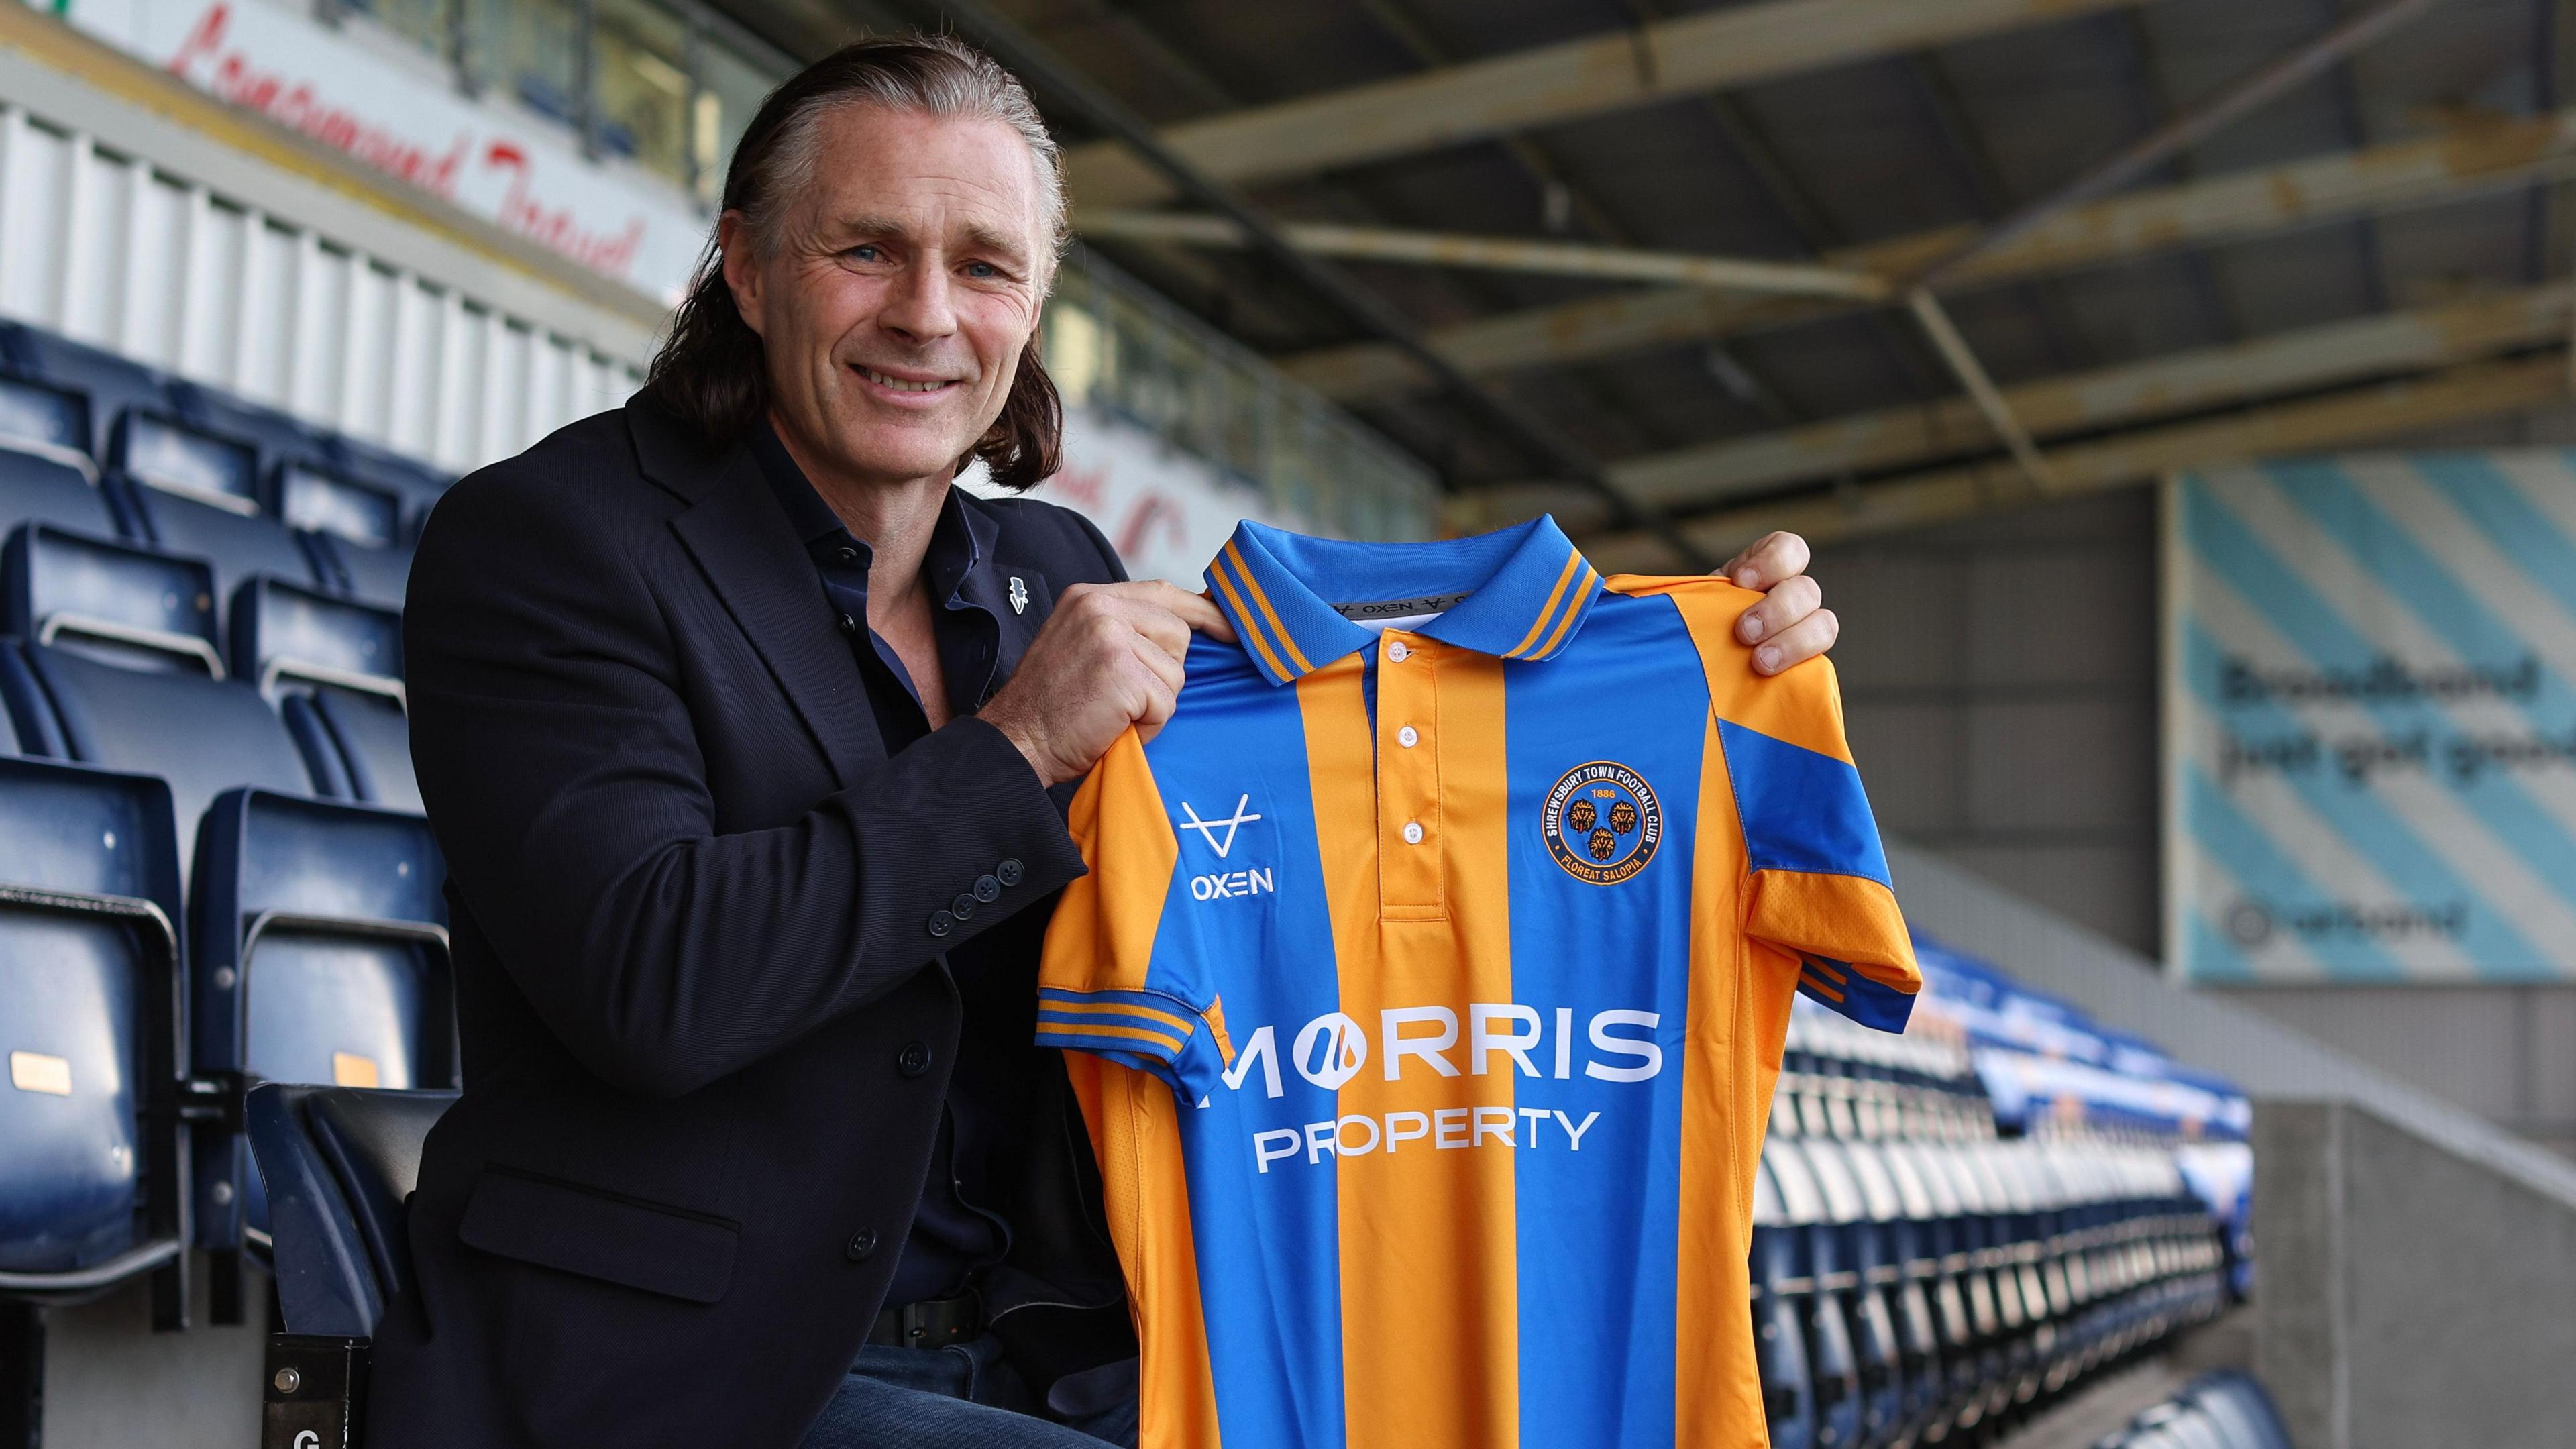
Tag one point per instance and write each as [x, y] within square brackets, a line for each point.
[931, 1323]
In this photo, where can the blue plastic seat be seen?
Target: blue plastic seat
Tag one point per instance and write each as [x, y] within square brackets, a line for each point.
[1779, 1342]
[278, 436]
[113, 384]
[39, 489]
[334, 669]
[322, 499]
[338, 1163]
[44, 417]
[1845, 1269]
[106, 599]
[89, 1020]
[1833, 1367]
[377, 576]
[421, 484]
[196, 493]
[320, 957]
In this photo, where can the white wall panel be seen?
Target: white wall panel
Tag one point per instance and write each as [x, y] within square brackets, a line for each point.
[130, 253]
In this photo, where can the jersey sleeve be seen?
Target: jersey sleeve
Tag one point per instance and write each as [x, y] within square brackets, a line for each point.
[1817, 885]
[1100, 989]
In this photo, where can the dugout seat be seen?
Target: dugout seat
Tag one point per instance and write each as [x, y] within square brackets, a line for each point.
[320, 956]
[89, 1021]
[337, 1163]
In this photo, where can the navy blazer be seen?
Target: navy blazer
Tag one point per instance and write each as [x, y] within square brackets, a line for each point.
[705, 1018]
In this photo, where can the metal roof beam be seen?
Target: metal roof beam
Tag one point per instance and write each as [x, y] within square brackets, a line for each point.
[2456, 395]
[1877, 442]
[1497, 253]
[1548, 84]
[2471, 155]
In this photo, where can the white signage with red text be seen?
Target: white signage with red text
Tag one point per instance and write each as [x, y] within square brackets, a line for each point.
[405, 121]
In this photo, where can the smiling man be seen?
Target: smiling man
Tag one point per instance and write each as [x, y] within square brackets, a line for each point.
[747, 736]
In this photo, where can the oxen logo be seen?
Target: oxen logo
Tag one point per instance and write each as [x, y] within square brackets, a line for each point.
[1601, 822]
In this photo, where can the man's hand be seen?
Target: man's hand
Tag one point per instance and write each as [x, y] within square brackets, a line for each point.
[1791, 625]
[1109, 656]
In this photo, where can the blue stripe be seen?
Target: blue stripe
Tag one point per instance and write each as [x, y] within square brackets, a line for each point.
[2314, 627]
[1269, 1244]
[2490, 500]
[2262, 870]
[1599, 1229]
[1802, 811]
[1163, 1001]
[1868, 1002]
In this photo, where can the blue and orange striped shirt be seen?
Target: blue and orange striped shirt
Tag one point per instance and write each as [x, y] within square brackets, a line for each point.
[1428, 989]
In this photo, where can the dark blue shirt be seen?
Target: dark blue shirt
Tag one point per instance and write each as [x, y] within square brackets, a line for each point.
[952, 1234]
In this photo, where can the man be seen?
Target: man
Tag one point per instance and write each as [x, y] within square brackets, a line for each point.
[749, 765]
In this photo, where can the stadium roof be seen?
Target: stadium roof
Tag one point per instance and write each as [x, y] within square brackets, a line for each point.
[1681, 272]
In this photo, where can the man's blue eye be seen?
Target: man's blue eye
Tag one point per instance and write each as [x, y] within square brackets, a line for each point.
[864, 251]
[981, 269]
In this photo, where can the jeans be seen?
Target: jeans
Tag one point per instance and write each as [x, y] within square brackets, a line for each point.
[967, 1396]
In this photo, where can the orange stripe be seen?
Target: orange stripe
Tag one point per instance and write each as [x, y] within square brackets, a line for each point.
[1286, 640]
[1822, 988]
[1826, 971]
[1801, 707]
[1572, 558]
[1181, 1024]
[1429, 1240]
[1134, 1122]
[1251, 628]
[1726, 1103]
[1129, 1033]
[1582, 591]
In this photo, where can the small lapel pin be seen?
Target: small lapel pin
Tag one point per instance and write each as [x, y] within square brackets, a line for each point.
[1019, 595]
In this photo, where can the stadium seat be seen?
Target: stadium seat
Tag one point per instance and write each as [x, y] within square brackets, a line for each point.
[39, 489]
[1844, 1269]
[1779, 1344]
[278, 436]
[112, 384]
[376, 576]
[338, 1163]
[41, 417]
[320, 956]
[311, 496]
[109, 600]
[334, 669]
[420, 484]
[1826, 1332]
[89, 1019]
[194, 493]
[1891, 1259]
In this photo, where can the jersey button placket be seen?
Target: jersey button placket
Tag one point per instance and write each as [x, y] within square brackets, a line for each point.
[1410, 881]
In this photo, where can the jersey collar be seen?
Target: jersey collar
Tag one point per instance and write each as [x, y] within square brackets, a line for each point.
[1527, 591]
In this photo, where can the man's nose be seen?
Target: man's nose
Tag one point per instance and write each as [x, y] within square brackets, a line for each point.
[920, 306]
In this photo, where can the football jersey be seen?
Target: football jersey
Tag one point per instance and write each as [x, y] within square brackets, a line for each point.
[1428, 988]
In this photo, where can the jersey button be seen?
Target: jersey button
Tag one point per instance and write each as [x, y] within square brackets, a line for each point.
[1396, 651]
[1413, 832]
[1408, 737]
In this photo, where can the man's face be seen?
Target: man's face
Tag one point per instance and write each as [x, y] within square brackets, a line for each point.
[900, 293]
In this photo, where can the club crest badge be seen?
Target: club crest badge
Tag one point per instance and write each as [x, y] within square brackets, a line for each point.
[1601, 822]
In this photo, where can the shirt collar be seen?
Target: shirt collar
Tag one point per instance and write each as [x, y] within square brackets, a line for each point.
[1527, 592]
[959, 543]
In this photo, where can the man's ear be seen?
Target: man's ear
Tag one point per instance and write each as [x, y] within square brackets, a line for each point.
[741, 255]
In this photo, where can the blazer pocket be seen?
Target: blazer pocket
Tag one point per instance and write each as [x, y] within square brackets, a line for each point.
[620, 1240]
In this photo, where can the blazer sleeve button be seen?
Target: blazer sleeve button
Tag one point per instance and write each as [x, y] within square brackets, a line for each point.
[941, 923]
[987, 887]
[1008, 872]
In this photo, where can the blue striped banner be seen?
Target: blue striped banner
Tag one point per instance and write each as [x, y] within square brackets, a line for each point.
[2370, 719]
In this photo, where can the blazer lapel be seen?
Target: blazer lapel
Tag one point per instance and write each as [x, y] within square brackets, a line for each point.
[751, 559]
[1018, 595]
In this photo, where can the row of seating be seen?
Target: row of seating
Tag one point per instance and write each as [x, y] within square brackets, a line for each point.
[213, 871]
[1921, 1276]
[2222, 1410]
